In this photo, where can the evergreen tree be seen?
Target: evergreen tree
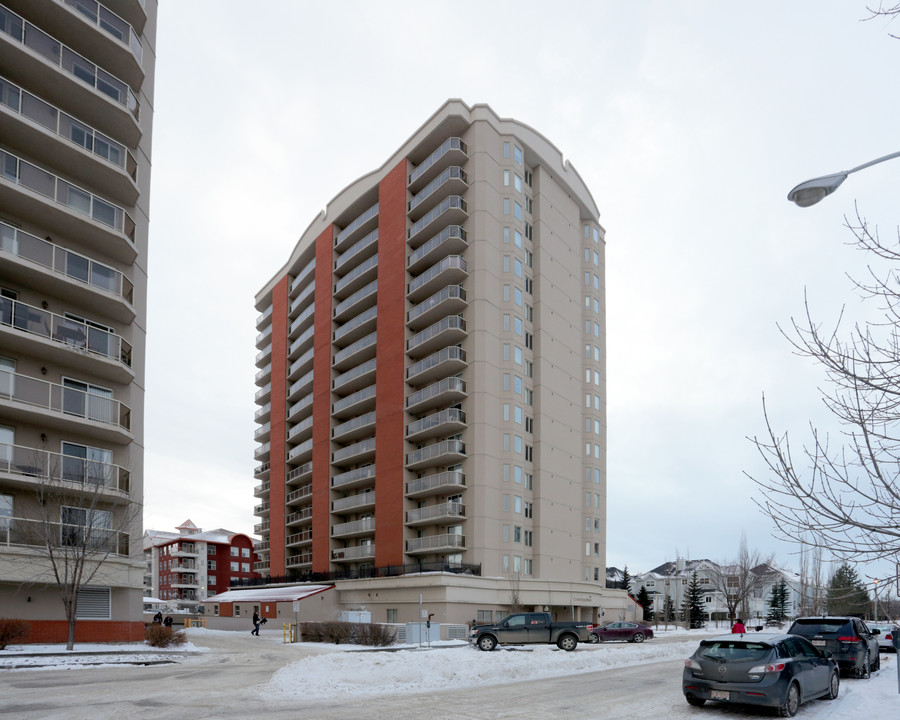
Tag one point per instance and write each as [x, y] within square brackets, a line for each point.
[846, 593]
[626, 580]
[669, 609]
[692, 609]
[778, 603]
[643, 598]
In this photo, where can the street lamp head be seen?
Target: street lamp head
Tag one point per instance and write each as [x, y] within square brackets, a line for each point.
[810, 192]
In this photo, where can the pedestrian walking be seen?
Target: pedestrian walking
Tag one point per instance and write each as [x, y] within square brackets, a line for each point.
[255, 630]
[158, 618]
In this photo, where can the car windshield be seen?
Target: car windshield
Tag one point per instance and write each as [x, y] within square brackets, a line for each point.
[817, 626]
[733, 651]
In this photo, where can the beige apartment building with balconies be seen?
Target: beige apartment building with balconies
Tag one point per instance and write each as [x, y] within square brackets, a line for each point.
[76, 109]
[432, 383]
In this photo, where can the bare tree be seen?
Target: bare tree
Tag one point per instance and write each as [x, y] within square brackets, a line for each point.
[844, 495]
[515, 599]
[80, 524]
[738, 580]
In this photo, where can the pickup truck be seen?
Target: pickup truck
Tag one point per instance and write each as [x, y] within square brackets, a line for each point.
[530, 628]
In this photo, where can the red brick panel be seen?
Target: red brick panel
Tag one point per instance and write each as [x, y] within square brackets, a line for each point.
[57, 631]
[390, 382]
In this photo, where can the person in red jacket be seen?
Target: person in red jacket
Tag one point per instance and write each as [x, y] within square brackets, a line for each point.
[738, 627]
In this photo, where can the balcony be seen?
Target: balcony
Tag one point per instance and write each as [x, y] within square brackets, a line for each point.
[446, 331]
[261, 527]
[68, 275]
[66, 407]
[265, 373]
[447, 361]
[301, 430]
[261, 566]
[358, 377]
[301, 452]
[262, 451]
[354, 503]
[262, 510]
[445, 483]
[299, 496]
[363, 224]
[356, 327]
[265, 318]
[443, 392]
[261, 471]
[355, 528]
[301, 364]
[26, 50]
[355, 478]
[453, 210]
[263, 394]
[361, 300]
[354, 554]
[298, 410]
[301, 343]
[362, 274]
[26, 532]
[447, 543]
[67, 144]
[452, 270]
[453, 151]
[449, 300]
[261, 434]
[299, 474]
[362, 451]
[358, 402]
[440, 514]
[446, 422]
[300, 517]
[29, 467]
[304, 537]
[299, 561]
[360, 426]
[304, 277]
[262, 415]
[300, 387]
[359, 251]
[261, 490]
[185, 549]
[263, 337]
[64, 340]
[264, 355]
[302, 321]
[453, 181]
[302, 298]
[447, 452]
[452, 240]
[363, 349]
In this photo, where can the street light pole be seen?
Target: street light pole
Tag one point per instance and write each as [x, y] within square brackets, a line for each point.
[810, 192]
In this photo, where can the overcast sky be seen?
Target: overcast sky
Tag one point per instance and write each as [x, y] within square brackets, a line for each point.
[689, 122]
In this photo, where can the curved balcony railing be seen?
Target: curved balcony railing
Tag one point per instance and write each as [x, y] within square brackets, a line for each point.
[351, 277]
[359, 448]
[359, 346]
[302, 296]
[67, 331]
[366, 525]
[438, 450]
[442, 510]
[451, 292]
[446, 354]
[28, 532]
[448, 263]
[360, 474]
[304, 275]
[68, 60]
[356, 224]
[453, 202]
[454, 233]
[429, 422]
[65, 193]
[367, 393]
[431, 543]
[355, 249]
[350, 426]
[346, 378]
[451, 322]
[447, 146]
[453, 172]
[67, 127]
[110, 23]
[354, 502]
[65, 262]
[46, 466]
[299, 472]
[356, 297]
[449, 480]
[447, 385]
[354, 323]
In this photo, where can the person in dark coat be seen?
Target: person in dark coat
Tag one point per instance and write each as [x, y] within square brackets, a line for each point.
[255, 630]
[168, 621]
[158, 618]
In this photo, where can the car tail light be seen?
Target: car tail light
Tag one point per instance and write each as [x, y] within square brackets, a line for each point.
[692, 664]
[771, 667]
[888, 637]
[590, 628]
[849, 638]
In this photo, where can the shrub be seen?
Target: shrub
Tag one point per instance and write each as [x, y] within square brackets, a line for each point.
[344, 632]
[158, 635]
[12, 630]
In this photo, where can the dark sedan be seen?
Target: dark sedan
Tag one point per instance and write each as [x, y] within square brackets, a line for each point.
[779, 671]
[849, 639]
[625, 631]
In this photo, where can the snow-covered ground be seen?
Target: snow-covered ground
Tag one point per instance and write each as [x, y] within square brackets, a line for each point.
[345, 671]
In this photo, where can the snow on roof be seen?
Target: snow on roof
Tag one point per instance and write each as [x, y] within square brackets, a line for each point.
[282, 593]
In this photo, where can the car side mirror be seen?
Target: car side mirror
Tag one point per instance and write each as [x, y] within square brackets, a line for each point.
[827, 653]
[876, 631]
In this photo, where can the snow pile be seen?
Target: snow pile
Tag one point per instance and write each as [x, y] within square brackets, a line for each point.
[343, 674]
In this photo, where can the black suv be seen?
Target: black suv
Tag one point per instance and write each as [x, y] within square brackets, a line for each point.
[848, 639]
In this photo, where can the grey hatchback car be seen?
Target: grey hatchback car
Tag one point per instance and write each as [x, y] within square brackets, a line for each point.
[848, 639]
[779, 671]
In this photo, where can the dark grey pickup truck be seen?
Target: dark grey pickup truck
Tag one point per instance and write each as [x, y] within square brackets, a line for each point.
[530, 629]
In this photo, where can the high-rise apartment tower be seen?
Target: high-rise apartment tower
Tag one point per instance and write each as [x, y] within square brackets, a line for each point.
[76, 108]
[432, 372]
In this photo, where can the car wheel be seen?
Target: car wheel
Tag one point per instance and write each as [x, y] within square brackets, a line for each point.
[694, 700]
[637, 637]
[877, 666]
[594, 639]
[833, 686]
[791, 702]
[567, 642]
[487, 643]
[864, 672]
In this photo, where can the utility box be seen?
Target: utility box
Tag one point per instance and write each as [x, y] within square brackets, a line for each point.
[421, 632]
[356, 616]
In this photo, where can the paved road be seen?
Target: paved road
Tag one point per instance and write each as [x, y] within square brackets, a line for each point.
[225, 683]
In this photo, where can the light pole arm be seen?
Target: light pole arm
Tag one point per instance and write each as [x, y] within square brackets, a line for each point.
[810, 192]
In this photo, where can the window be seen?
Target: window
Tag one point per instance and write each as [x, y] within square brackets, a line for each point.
[6, 511]
[506, 206]
[506, 503]
[517, 155]
[212, 580]
[528, 566]
[245, 552]
[82, 463]
[210, 564]
[392, 615]
[517, 534]
[86, 526]
[210, 549]
[506, 155]
[506, 533]
[517, 504]
[529, 538]
[506, 178]
[235, 567]
[517, 181]
[245, 567]
[528, 508]
[517, 210]
[88, 401]
[235, 552]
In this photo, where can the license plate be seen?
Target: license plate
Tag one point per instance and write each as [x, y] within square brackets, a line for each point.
[719, 695]
[818, 643]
